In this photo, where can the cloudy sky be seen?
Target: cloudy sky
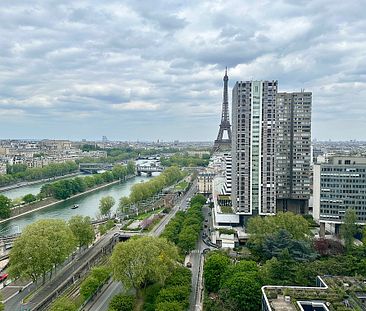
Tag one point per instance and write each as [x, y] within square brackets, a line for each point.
[153, 70]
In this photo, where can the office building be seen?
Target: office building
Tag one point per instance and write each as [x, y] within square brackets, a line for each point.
[293, 154]
[253, 148]
[338, 185]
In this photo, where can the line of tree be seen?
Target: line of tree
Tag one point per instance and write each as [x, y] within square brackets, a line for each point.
[146, 190]
[21, 172]
[184, 160]
[183, 230]
[47, 243]
[125, 153]
[63, 189]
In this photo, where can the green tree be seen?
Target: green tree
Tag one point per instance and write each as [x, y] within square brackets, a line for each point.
[215, 267]
[122, 302]
[260, 228]
[82, 229]
[29, 198]
[63, 304]
[142, 260]
[241, 292]
[42, 246]
[198, 198]
[274, 245]
[89, 286]
[169, 306]
[5, 206]
[349, 228]
[105, 205]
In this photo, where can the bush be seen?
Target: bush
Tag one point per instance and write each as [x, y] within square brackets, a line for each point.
[89, 286]
[170, 306]
[122, 303]
[63, 304]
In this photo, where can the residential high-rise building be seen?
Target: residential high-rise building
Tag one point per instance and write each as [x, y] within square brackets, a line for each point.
[253, 148]
[293, 154]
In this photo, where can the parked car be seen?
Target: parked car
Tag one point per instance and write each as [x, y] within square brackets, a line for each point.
[3, 277]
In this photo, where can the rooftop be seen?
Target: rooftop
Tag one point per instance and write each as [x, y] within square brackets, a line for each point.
[331, 293]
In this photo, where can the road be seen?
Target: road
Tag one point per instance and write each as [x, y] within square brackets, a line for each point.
[100, 303]
[15, 304]
[196, 298]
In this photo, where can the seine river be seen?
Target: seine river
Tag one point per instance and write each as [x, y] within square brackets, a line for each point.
[88, 204]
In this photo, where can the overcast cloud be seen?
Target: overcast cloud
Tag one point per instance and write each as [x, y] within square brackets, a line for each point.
[152, 70]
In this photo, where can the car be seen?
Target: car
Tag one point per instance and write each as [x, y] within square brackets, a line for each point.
[189, 265]
[3, 277]
[206, 220]
[205, 226]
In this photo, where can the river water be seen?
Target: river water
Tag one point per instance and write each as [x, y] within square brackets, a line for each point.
[88, 205]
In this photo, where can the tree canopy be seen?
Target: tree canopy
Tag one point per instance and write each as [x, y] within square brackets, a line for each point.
[41, 246]
[5, 206]
[82, 229]
[142, 260]
[106, 204]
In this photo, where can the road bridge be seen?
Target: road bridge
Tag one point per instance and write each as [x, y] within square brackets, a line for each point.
[92, 168]
[148, 169]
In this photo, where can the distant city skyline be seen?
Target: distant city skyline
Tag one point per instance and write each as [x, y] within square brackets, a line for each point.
[143, 70]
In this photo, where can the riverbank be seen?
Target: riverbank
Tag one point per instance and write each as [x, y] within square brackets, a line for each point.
[47, 204]
[29, 183]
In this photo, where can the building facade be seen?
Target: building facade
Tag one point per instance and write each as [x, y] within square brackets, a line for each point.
[293, 151]
[339, 185]
[253, 148]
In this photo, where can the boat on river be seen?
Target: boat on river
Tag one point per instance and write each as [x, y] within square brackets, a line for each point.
[75, 206]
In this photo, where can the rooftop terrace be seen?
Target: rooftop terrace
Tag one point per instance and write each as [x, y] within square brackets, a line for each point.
[331, 293]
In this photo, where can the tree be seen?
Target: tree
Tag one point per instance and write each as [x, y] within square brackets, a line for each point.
[174, 293]
[42, 246]
[29, 198]
[105, 205]
[63, 304]
[241, 292]
[349, 228]
[198, 198]
[122, 303]
[82, 229]
[260, 228]
[142, 260]
[5, 206]
[169, 306]
[215, 267]
[89, 286]
[274, 245]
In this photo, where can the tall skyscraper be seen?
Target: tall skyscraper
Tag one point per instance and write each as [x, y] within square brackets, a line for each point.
[253, 148]
[293, 155]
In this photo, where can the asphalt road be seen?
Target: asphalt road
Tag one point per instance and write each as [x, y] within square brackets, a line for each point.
[100, 303]
[197, 261]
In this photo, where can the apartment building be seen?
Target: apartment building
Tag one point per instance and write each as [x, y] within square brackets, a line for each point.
[293, 151]
[253, 148]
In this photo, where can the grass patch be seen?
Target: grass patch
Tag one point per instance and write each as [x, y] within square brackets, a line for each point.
[226, 209]
[181, 186]
[148, 214]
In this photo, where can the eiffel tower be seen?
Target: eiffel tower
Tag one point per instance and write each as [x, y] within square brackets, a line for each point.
[220, 143]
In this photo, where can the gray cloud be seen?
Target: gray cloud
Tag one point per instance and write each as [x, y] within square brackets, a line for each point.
[153, 69]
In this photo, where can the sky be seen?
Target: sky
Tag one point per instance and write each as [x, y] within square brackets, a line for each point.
[148, 70]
